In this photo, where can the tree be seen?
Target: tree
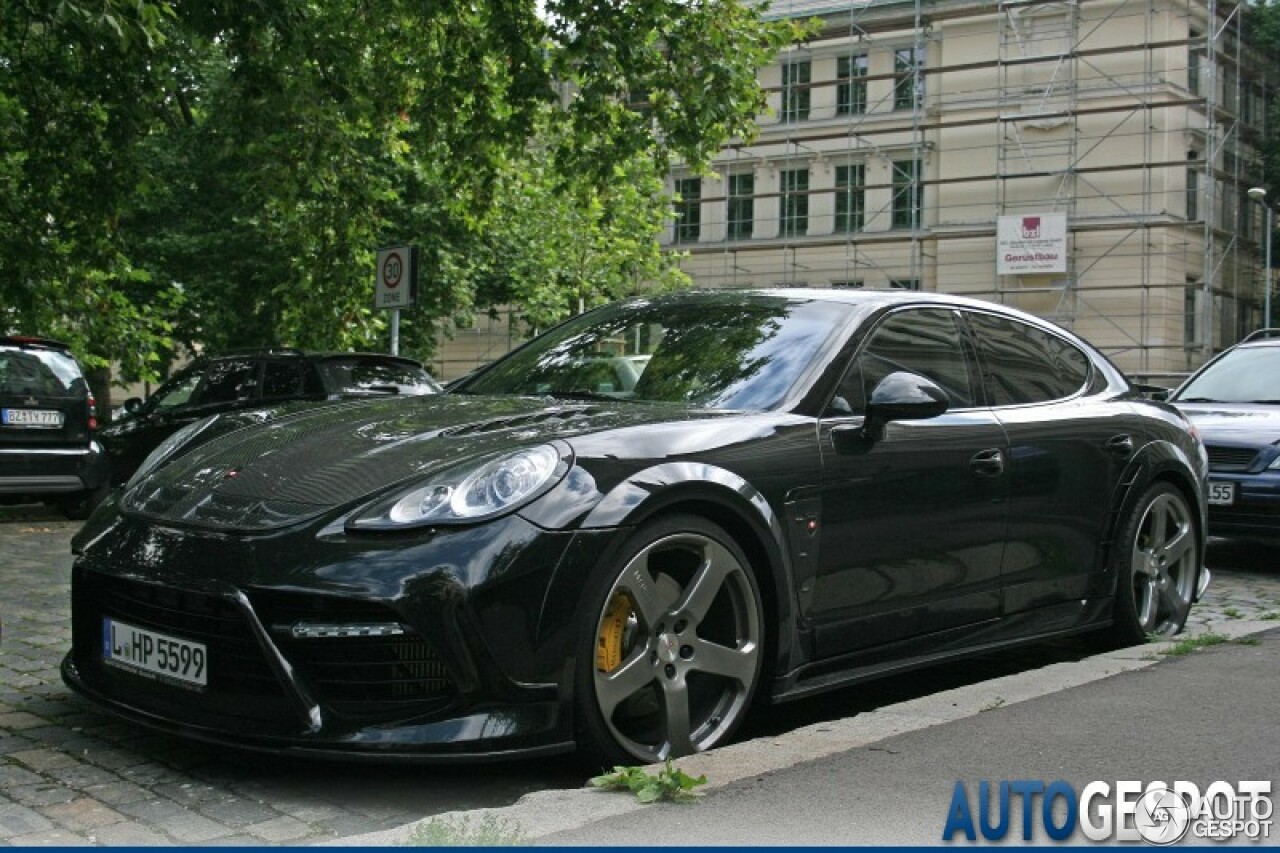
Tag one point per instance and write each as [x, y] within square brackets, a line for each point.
[220, 173]
[74, 99]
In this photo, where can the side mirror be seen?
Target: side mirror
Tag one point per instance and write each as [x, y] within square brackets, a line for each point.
[902, 396]
[133, 405]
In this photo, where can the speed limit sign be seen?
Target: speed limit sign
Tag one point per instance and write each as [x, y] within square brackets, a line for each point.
[397, 277]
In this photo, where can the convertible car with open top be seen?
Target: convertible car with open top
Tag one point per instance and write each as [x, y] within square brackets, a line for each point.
[625, 534]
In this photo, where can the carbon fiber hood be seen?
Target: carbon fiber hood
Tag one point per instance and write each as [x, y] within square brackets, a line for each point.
[296, 466]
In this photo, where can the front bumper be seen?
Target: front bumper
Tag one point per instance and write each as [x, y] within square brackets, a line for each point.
[476, 672]
[1255, 512]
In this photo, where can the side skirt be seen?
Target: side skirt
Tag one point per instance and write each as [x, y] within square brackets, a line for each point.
[1036, 626]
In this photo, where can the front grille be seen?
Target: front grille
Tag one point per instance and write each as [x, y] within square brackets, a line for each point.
[1231, 458]
[366, 679]
[241, 684]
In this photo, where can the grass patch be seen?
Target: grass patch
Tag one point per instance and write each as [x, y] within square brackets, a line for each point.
[1273, 616]
[1247, 641]
[489, 831]
[993, 704]
[670, 783]
[1190, 644]
[1231, 613]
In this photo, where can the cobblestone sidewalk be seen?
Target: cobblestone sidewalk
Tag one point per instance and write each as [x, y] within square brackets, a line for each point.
[70, 775]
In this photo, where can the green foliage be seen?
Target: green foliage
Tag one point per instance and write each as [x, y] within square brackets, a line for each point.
[489, 831]
[221, 173]
[670, 783]
[1262, 30]
[1188, 645]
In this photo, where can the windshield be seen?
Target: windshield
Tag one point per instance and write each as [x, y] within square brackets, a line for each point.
[368, 376]
[729, 351]
[1245, 375]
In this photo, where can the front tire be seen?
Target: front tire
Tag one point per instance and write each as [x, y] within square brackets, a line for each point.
[1159, 566]
[672, 649]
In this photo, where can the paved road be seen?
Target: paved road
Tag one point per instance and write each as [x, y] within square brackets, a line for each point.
[71, 775]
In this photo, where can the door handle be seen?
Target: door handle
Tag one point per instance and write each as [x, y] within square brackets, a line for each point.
[1120, 445]
[988, 463]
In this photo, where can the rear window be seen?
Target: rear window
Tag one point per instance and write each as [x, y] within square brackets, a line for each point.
[47, 373]
[373, 376]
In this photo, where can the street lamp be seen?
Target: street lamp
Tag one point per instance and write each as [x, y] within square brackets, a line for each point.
[1259, 195]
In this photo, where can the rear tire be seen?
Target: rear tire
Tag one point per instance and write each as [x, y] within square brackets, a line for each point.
[670, 653]
[81, 505]
[1158, 567]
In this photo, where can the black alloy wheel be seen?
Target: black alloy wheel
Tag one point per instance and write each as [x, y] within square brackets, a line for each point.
[674, 646]
[1159, 567]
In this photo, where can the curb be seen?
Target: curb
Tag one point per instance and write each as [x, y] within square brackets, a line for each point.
[545, 812]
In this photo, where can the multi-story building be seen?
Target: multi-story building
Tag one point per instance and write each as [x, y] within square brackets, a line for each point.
[1087, 161]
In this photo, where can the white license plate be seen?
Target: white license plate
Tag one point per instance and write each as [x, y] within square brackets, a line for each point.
[153, 654]
[31, 417]
[1222, 493]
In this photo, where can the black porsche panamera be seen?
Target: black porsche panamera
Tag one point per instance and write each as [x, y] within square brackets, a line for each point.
[789, 491]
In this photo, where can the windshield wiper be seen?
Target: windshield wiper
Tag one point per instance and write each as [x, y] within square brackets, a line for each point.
[580, 395]
[1195, 400]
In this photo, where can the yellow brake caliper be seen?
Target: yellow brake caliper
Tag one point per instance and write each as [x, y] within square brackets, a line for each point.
[613, 629]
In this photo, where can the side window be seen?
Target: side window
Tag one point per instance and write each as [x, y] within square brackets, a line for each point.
[281, 379]
[229, 380]
[926, 341]
[177, 391]
[1024, 364]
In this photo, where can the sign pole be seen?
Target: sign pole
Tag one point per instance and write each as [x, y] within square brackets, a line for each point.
[395, 331]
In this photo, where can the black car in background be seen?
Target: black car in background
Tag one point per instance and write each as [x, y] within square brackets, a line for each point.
[48, 450]
[1234, 401]
[244, 380]
[800, 489]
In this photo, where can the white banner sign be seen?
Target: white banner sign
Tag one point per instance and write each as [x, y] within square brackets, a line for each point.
[1031, 243]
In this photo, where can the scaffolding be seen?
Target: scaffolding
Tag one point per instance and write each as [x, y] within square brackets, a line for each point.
[917, 125]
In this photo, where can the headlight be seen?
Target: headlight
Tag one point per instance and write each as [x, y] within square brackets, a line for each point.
[468, 493]
[165, 448]
[1275, 464]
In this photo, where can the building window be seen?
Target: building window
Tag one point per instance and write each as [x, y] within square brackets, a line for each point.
[908, 196]
[1193, 194]
[742, 205]
[848, 284]
[688, 210]
[850, 197]
[1230, 90]
[1194, 54]
[851, 85]
[795, 90]
[1189, 312]
[904, 284]
[795, 202]
[908, 87]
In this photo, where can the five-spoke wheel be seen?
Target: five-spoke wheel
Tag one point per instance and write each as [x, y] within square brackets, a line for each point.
[1160, 568]
[677, 637]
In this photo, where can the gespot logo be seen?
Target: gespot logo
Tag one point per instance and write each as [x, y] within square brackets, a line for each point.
[1154, 812]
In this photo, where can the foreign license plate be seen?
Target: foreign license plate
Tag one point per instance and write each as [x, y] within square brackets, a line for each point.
[153, 654]
[31, 417]
[1222, 493]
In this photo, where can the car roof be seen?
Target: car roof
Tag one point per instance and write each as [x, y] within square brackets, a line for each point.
[290, 352]
[868, 300]
[33, 341]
